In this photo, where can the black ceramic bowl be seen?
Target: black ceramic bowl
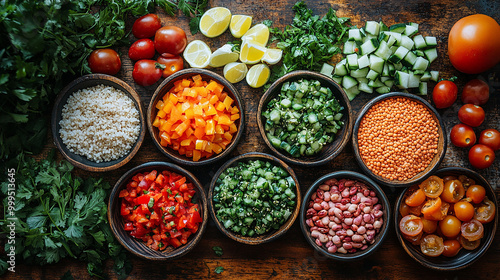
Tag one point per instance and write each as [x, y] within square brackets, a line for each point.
[329, 151]
[464, 258]
[138, 247]
[379, 237]
[86, 82]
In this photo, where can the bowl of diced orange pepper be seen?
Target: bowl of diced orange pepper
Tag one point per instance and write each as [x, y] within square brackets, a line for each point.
[195, 117]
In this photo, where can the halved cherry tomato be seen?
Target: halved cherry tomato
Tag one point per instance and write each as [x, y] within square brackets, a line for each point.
[173, 63]
[462, 136]
[440, 214]
[411, 225]
[404, 209]
[469, 245]
[449, 178]
[430, 226]
[416, 198]
[491, 138]
[464, 211]
[451, 248]
[481, 156]
[431, 205]
[453, 191]
[471, 115]
[432, 187]
[414, 240]
[466, 181]
[472, 230]
[476, 193]
[485, 212]
[450, 226]
[417, 210]
[432, 245]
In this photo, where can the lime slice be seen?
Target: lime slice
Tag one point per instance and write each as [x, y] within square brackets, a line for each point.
[223, 56]
[251, 52]
[258, 75]
[272, 56]
[239, 25]
[259, 34]
[197, 54]
[235, 71]
[215, 21]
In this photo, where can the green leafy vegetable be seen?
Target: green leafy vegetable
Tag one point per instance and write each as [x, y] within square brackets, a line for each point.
[60, 216]
[309, 41]
[192, 9]
[219, 269]
[218, 250]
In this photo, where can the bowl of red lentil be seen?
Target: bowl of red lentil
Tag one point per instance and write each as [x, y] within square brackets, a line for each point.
[399, 139]
[196, 117]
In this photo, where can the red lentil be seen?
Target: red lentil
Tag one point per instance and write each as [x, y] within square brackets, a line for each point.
[398, 138]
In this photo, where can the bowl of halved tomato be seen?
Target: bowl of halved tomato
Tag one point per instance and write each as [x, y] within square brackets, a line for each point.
[448, 221]
[158, 211]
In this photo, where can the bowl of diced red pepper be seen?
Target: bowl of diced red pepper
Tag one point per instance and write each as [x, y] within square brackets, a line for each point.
[158, 211]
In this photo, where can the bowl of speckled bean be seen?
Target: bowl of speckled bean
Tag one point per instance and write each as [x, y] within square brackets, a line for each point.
[399, 139]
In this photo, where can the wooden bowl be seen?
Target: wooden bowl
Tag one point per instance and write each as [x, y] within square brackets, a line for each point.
[464, 258]
[441, 150]
[165, 86]
[82, 83]
[379, 237]
[329, 151]
[267, 237]
[137, 247]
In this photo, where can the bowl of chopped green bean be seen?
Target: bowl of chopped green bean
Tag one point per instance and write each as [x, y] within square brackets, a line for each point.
[305, 118]
[254, 198]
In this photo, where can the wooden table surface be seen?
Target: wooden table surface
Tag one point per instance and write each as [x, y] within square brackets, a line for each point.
[291, 256]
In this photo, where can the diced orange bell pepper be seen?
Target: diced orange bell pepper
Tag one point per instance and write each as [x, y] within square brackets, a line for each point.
[228, 101]
[224, 119]
[210, 127]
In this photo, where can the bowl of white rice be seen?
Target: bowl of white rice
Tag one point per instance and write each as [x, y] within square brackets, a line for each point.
[98, 122]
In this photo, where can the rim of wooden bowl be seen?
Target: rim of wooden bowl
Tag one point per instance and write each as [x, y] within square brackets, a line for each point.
[85, 82]
[139, 248]
[464, 258]
[436, 161]
[263, 238]
[165, 86]
[330, 151]
[379, 238]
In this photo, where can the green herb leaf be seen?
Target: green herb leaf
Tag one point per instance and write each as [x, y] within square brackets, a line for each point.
[219, 269]
[218, 250]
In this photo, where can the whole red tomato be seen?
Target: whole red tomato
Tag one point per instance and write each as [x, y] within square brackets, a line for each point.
[476, 92]
[444, 94]
[491, 138]
[170, 39]
[146, 26]
[481, 156]
[472, 115]
[105, 61]
[473, 44]
[463, 136]
[173, 63]
[147, 72]
[142, 49]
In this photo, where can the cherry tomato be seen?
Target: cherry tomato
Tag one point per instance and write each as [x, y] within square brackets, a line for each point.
[417, 210]
[147, 72]
[448, 178]
[146, 26]
[444, 94]
[404, 209]
[471, 115]
[142, 49]
[451, 248]
[432, 245]
[414, 240]
[462, 136]
[450, 226]
[466, 181]
[439, 214]
[431, 205]
[472, 47]
[481, 156]
[485, 212]
[476, 193]
[105, 61]
[464, 211]
[491, 138]
[472, 230]
[432, 187]
[173, 63]
[411, 225]
[430, 226]
[475, 92]
[416, 198]
[453, 191]
[469, 245]
[170, 39]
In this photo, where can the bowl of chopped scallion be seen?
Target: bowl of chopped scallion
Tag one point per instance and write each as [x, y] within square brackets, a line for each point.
[254, 198]
[305, 118]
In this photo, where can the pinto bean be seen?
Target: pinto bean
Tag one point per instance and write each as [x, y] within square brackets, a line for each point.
[310, 212]
[357, 238]
[361, 230]
[323, 238]
[357, 220]
[347, 214]
[318, 242]
[377, 224]
[320, 194]
[327, 196]
[347, 245]
[342, 250]
[352, 208]
[348, 221]
[317, 207]
[364, 247]
[325, 205]
[353, 190]
[336, 240]
[332, 249]
[315, 233]
[331, 182]
[345, 193]
[377, 213]
[309, 223]
[313, 196]
[325, 220]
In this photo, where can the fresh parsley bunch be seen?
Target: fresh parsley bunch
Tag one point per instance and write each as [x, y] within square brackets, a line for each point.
[60, 216]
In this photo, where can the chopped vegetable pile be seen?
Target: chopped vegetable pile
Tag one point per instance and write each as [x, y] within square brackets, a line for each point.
[254, 197]
[303, 118]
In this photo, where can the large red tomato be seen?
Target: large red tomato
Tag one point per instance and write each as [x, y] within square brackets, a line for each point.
[474, 44]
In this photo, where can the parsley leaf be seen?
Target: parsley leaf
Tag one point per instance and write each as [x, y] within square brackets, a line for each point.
[218, 250]
[219, 269]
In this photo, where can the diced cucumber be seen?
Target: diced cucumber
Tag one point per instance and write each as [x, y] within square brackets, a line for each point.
[422, 88]
[352, 61]
[383, 89]
[411, 30]
[409, 59]
[419, 52]
[420, 64]
[375, 83]
[389, 83]
[348, 82]
[337, 79]
[363, 61]
[383, 36]
[376, 63]
[419, 42]
[385, 71]
[413, 80]
[384, 79]
[392, 39]
[413, 24]
[349, 47]
[398, 55]
[340, 68]
[351, 93]
[355, 34]
[359, 73]
[327, 69]
[418, 72]
[407, 42]
[431, 41]
[402, 79]
[365, 88]
[398, 27]
[392, 69]
[431, 54]
[369, 46]
[426, 76]
[372, 27]
[383, 27]
[435, 75]
[362, 80]
[398, 66]
[383, 51]
[372, 75]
